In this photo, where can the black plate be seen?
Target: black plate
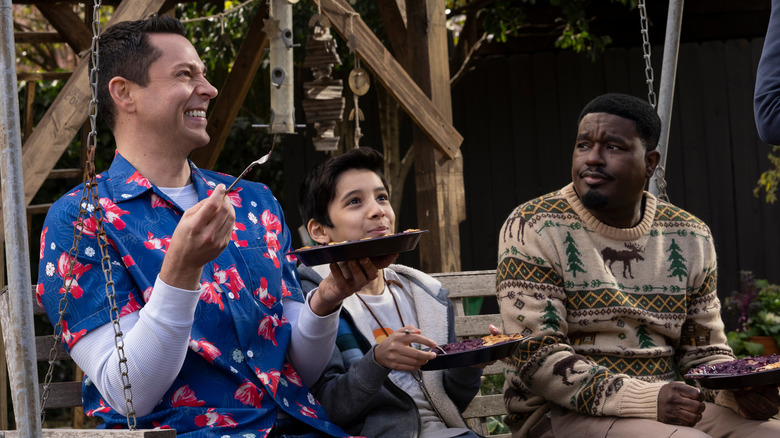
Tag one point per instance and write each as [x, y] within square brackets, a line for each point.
[736, 381]
[378, 246]
[473, 357]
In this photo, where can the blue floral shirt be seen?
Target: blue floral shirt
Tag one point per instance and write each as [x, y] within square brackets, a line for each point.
[235, 375]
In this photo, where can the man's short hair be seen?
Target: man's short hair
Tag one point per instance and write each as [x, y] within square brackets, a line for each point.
[125, 51]
[319, 187]
[648, 124]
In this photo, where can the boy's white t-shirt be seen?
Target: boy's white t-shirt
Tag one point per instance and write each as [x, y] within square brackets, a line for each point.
[385, 310]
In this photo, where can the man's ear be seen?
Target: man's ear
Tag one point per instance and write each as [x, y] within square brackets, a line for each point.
[318, 232]
[120, 88]
[652, 158]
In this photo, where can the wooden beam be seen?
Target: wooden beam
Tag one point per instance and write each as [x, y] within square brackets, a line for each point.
[441, 198]
[29, 113]
[394, 18]
[43, 76]
[234, 90]
[69, 25]
[64, 118]
[37, 37]
[392, 76]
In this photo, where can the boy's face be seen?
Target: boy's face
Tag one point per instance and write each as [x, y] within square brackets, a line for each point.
[360, 208]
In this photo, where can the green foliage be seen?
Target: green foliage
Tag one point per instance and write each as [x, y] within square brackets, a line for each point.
[742, 346]
[494, 384]
[758, 306]
[496, 425]
[508, 18]
[770, 178]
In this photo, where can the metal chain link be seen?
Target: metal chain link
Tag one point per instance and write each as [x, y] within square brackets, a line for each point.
[660, 172]
[660, 182]
[646, 49]
[91, 198]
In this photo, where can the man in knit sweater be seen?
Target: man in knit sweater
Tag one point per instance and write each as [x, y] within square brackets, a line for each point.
[616, 291]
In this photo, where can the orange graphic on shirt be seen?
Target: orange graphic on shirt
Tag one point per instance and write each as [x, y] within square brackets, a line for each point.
[379, 334]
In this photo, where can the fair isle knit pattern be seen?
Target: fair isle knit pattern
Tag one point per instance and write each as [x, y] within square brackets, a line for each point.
[612, 314]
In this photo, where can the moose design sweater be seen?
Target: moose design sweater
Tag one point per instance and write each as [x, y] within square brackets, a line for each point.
[611, 314]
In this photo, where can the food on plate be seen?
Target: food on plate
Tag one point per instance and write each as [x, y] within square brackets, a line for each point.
[747, 365]
[471, 344]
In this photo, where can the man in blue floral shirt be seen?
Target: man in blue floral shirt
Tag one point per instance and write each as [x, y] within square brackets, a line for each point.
[218, 339]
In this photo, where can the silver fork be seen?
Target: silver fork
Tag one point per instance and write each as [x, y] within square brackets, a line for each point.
[257, 162]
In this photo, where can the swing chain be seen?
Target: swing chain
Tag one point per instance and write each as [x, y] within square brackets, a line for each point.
[660, 182]
[646, 49]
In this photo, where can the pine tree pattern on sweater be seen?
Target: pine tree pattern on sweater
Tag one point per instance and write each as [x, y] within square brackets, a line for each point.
[611, 314]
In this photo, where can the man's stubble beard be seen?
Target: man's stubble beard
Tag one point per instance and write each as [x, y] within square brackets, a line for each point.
[593, 200]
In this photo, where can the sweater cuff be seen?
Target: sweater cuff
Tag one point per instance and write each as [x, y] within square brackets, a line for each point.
[638, 399]
[172, 305]
[313, 326]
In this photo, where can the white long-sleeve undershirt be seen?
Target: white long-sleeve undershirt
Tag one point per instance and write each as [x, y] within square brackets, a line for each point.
[156, 341]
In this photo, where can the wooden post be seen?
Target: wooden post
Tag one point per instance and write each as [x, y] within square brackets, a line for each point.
[279, 30]
[441, 205]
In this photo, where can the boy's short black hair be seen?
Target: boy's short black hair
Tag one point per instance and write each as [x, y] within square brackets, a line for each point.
[125, 51]
[648, 124]
[319, 186]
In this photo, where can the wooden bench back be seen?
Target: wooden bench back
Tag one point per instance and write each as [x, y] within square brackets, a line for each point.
[470, 284]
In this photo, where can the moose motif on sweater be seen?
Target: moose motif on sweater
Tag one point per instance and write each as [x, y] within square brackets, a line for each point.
[566, 367]
[612, 255]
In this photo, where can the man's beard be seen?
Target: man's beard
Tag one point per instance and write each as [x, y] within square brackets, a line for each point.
[593, 200]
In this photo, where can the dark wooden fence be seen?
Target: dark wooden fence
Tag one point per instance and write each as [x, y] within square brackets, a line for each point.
[518, 115]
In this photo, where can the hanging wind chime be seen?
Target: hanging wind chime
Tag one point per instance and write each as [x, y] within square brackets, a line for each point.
[323, 103]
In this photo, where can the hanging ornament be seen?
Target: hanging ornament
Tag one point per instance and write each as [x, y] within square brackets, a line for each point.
[323, 103]
[359, 83]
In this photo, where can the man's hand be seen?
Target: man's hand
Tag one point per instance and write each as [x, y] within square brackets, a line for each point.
[759, 403]
[201, 235]
[680, 404]
[345, 279]
[396, 353]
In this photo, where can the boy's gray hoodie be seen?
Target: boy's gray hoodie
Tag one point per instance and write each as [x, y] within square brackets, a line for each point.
[361, 398]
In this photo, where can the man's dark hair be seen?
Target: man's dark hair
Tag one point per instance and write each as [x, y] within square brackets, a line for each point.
[648, 124]
[319, 186]
[125, 51]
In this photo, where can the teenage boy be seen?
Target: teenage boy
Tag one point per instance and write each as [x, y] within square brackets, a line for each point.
[373, 385]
